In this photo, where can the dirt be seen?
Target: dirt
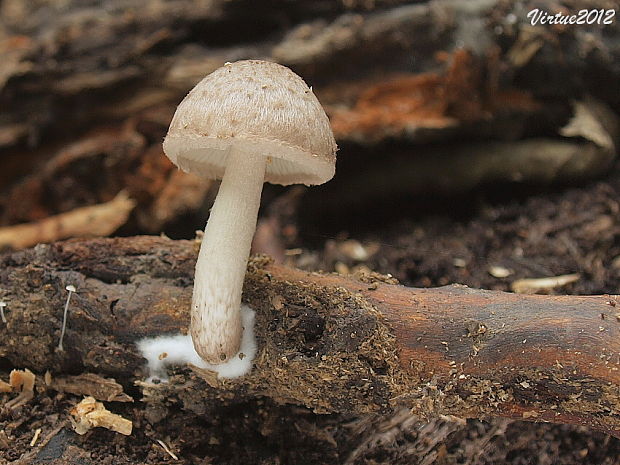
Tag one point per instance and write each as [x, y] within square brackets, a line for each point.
[530, 233]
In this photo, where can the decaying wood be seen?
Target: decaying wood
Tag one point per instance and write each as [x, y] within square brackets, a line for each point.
[70, 49]
[328, 342]
[22, 381]
[91, 221]
[92, 385]
[90, 414]
[587, 149]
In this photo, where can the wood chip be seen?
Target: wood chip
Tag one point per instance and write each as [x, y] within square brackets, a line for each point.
[93, 385]
[91, 221]
[35, 438]
[499, 271]
[90, 414]
[23, 381]
[531, 286]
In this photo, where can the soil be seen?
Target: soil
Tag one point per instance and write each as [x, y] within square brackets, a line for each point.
[567, 229]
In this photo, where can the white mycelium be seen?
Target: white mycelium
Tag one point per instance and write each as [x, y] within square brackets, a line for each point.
[163, 351]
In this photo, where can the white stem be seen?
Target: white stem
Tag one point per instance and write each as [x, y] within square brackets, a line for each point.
[64, 322]
[220, 270]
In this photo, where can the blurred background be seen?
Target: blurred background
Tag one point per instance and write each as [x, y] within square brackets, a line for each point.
[446, 112]
[475, 148]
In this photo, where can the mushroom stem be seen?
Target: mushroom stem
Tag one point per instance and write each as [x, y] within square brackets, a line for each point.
[220, 270]
[71, 289]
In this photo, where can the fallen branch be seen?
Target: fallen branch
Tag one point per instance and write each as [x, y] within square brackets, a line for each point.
[91, 221]
[328, 342]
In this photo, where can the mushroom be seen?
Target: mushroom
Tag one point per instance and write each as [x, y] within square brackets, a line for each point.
[247, 123]
[71, 289]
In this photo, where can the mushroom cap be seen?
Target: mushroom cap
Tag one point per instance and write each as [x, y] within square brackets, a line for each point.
[254, 107]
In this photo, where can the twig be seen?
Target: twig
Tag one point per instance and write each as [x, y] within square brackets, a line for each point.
[95, 220]
[35, 438]
[167, 449]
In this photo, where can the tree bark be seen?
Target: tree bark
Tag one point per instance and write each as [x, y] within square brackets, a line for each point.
[328, 342]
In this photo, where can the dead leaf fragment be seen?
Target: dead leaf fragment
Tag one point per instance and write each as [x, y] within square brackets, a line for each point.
[90, 414]
[181, 193]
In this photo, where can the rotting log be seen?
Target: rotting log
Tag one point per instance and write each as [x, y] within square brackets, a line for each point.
[328, 342]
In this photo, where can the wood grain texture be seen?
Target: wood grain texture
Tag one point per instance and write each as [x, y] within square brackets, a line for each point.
[521, 356]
